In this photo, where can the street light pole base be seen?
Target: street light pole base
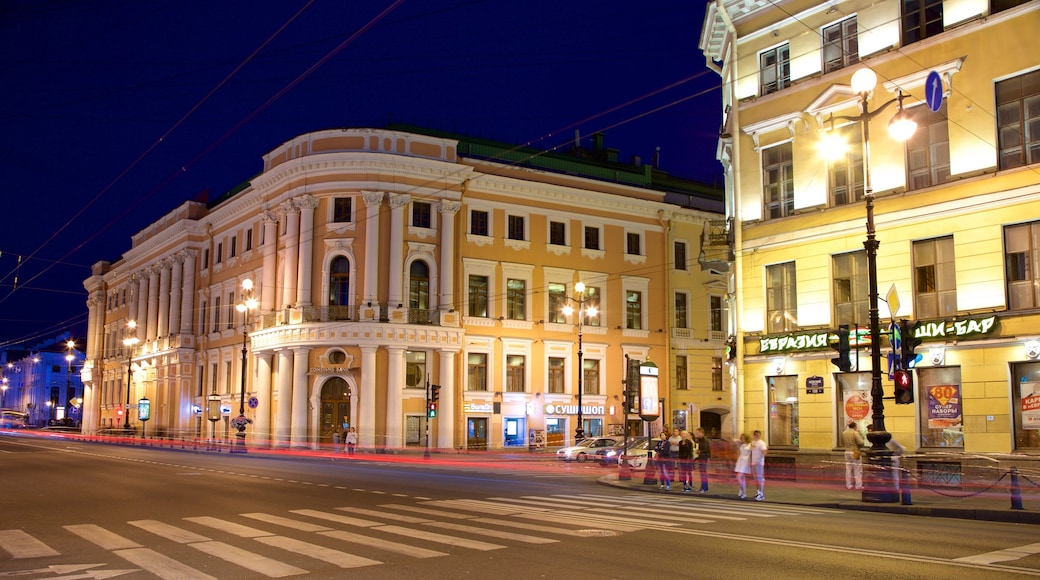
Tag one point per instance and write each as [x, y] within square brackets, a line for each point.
[879, 477]
[240, 443]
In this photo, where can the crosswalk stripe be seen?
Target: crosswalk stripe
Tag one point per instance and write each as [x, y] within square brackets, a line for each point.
[229, 527]
[21, 545]
[248, 559]
[645, 523]
[162, 566]
[407, 550]
[662, 515]
[493, 533]
[586, 522]
[527, 526]
[172, 533]
[102, 537]
[427, 511]
[384, 515]
[287, 522]
[678, 512]
[567, 501]
[440, 538]
[334, 557]
[339, 519]
[484, 506]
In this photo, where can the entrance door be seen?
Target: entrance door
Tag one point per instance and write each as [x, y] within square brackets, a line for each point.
[335, 407]
[476, 433]
[712, 424]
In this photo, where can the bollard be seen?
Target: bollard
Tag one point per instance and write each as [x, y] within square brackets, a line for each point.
[650, 475]
[1016, 491]
[624, 470]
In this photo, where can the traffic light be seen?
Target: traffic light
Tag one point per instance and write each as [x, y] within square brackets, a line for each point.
[908, 343]
[431, 411]
[731, 348]
[435, 393]
[904, 381]
[842, 361]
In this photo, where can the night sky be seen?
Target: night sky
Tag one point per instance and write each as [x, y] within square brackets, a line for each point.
[113, 112]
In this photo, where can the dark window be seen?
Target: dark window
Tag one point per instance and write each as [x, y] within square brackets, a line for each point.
[558, 233]
[591, 238]
[716, 373]
[681, 382]
[339, 282]
[682, 316]
[478, 296]
[774, 69]
[1002, 5]
[478, 222]
[778, 176]
[205, 258]
[921, 19]
[840, 45]
[717, 315]
[341, 209]
[633, 246]
[249, 239]
[679, 258]
[516, 228]
[1022, 265]
[220, 253]
[1018, 120]
[928, 149]
[233, 250]
[421, 213]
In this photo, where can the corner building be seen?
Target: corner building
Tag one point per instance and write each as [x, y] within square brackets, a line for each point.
[384, 261]
[957, 214]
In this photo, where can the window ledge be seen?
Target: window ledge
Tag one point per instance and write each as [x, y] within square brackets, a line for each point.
[518, 244]
[479, 240]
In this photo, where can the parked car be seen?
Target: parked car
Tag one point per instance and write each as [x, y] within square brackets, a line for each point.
[635, 457]
[585, 448]
[609, 456]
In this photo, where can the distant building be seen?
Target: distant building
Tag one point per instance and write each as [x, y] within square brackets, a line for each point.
[43, 382]
[387, 261]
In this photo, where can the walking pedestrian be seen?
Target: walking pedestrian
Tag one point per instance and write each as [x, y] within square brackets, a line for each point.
[743, 465]
[661, 452]
[758, 464]
[351, 440]
[673, 454]
[897, 450]
[685, 461]
[852, 441]
[701, 456]
[337, 436]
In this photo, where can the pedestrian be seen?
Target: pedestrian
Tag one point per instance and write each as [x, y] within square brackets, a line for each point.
[351, 440]
[337, 437]
[673, 454]
[758, 463]
[685, 461]
[661, 451]
[852, 441]
[897, 450]
[743, 465]
[701, 456]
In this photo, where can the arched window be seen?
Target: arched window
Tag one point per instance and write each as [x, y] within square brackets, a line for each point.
[339, 282]
[419, 286]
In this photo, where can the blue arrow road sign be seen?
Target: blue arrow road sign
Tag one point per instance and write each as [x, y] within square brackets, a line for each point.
[933, 91]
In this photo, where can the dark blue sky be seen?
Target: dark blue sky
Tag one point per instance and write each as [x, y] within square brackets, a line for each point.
[113, 112]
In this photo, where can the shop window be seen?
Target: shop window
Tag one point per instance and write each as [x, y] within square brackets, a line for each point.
[1026, 404]
[940, 398]
[853, 403]
[783, 411]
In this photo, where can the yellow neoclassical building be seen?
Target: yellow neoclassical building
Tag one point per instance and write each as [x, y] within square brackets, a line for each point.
[387, 262]
[956, 212]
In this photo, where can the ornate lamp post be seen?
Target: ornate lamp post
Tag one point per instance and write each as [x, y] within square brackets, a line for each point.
[901, 127]
[70, 345]
[129, 342]
[246, 305]
[579, 288]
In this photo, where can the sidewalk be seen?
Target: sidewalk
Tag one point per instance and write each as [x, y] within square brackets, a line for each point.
[989, 502]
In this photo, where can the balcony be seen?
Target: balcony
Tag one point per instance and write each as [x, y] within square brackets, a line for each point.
[717, 241]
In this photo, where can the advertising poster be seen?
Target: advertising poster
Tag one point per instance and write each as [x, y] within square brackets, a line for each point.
[1030, 395]
[944, 406]
[857, 406]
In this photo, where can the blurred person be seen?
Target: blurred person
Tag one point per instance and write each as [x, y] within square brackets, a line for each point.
[743, 464]
[685, 461]
[852, 441]
[701, 457]
[758, 464]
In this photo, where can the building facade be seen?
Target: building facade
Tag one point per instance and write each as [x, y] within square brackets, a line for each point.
[384, 263]
[41, 384]
[957, 214]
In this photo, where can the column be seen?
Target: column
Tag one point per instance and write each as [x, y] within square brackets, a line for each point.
[176, 290]
[292, 253]
[188, 293]
[269, 277]
[373, 201]
[300, 388]
[394, 404]
[306, 203]
[261, 429]
[94, 350]
[446, 405]
[133, 291]
[284, 397]
[396, 290]
[447, 265]
[152, 315]
[142, 302]
[162, 322]
[366, 419]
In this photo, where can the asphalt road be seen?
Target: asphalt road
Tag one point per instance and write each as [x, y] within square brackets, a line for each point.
[75, 510]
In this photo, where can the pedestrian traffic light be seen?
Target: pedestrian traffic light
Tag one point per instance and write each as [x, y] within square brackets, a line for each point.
[431, 411]
[842, 361]
[904, 381]
[435, 393]
[908, 343]
[731, 348]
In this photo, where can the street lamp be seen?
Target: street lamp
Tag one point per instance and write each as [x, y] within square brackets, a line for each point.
[70, 345]
[247, 304]
[3, 394]
[901, 127]
[579, 288]
[129, 343]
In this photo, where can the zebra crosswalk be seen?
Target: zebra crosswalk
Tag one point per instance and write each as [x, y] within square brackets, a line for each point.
[294, 542]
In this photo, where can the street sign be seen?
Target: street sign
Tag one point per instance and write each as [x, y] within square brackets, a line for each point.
[893, 301]
[933, 91]
[253, 402]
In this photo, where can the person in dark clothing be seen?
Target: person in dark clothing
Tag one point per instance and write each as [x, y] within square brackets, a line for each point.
[685, 461]
[662, 463]
[702, 455]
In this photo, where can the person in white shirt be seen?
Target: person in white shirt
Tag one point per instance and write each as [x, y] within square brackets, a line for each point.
[758, 463]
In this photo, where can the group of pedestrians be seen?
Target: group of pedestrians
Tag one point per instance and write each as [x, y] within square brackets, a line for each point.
[751, 459]
[348, 439]
[677, 454]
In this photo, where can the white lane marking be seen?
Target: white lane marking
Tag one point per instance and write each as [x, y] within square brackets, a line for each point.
[1002, 555]
[102, 537]
[439, 538]
[492, 533]
[229, 527]
[172, 533]
[681, 514]
[334, 557]
[526, 526]
[585, 521]
[384, 515]
[161, 566]
[382, 544]
[248, 559]
[287, 522]
[339, 519]
[427, 511]
[21, 545]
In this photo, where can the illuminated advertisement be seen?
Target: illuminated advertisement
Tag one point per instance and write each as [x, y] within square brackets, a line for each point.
[1030, 394]
[944, 407]
[649, 396]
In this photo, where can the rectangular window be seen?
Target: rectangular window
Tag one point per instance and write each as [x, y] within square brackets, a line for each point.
[476, 373]
[555, 381]
[231, 310]
[783, 411]
[679, 256]
[1018, 120]
[592, 300]
[516, 366]
[205, 258]
[928, 149]
[850, 289]
[716, 373]
[228, 369]
[341, 209]
[590, 377]
[682, 315]
[840, 45]
[233, 250]
[633, 246]
[220, 253]
[558, 233]
[633, 310]
[774, 68]
[717, 314]
[935, 278]
[781, 298]
[478, 296]
[557, 300]
[249, 239]
[921, 19]
[202, 316]
[591, 238]
[421, 214]
[846, 174]
[778, 178]
[478, 222]
[516, 228]
[216, 315]
[516, 299]
[1022, 265]
[680, 373]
